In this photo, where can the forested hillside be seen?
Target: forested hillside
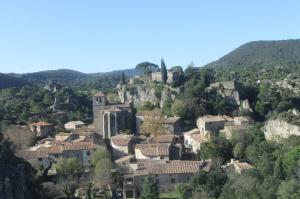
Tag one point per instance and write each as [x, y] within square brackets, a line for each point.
[11, 81]
[261, 53]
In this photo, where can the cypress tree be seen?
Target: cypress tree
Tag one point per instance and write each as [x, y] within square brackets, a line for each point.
[278, 169]
[164, 73]
[123, 78]
[150, 189]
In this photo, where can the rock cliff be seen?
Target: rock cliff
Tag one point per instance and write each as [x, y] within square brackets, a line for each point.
[276, 129]
[155, 94]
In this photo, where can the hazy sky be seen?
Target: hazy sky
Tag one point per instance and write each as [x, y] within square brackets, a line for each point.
[95, 36]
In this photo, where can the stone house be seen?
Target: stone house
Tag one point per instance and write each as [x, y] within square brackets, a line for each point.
[122, 145]
[73, 125]
[237, 166]
[81, 150]
[158, 151]
[173, 76]
[38, 158]
[213, 124]
[41, 129]
[171, 124]
[241, 120]
[111, 118]
[229, 90]
[194, 138]
[167, 174]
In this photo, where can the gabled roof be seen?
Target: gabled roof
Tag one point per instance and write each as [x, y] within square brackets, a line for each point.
[211, 118]
[153, 150]
[242, 165]
[121, 140]
[29, 155]
[157, 167]
[70, 146]
[168, 138]
[100, 94]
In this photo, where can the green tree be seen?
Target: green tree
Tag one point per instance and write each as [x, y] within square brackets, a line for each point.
[100, 154]
[179, 108]
[289, 189]
[103, 172]
[164, 72]
[278, 169]
[184, 191]
[291, 161]
[150, 189]
[239, 151]
[68, 166]
[123, 78]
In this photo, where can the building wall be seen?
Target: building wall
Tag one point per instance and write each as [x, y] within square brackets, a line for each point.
[213, 126]
[100, 116]
[140, 156]
[44, 131]
[119, 151]
[192, 143]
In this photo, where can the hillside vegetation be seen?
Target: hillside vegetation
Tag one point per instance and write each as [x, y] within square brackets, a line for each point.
[261, 53]
[11, 81]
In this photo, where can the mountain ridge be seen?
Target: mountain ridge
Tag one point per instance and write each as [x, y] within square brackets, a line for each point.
[261, 53]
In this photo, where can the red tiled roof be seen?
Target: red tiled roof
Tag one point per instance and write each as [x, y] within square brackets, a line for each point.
[41, 124]
[70, 146]
[157, 149]
[170, 167]
[168, 138]
[100, 94]
[121, 140]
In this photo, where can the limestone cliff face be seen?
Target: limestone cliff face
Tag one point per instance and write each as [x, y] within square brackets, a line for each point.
[228, 89]
[276, 129]
[142, 93]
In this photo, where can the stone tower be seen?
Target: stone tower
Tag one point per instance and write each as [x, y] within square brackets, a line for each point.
[111, 118]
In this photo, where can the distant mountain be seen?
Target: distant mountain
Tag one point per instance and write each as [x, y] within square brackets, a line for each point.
[63, 76]
[127, 72]
[7, 80]
[67, 77]
[261, 54]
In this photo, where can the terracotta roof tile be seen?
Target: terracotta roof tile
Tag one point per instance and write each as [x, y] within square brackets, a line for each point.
[152, 150]
[99, 94]
[121, 140]
[169, 167]
[41, 124]
[70, 146]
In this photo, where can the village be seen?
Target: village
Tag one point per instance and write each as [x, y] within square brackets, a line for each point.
[169, 154]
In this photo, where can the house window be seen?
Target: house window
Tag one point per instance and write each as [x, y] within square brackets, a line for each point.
[88, 153]
[188, 178]
[40, 159]
[172, 180]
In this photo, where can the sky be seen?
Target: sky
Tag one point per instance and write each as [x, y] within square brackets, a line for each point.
[105, 35]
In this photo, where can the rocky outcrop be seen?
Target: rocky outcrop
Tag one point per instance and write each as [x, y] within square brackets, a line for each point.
[276, 129]
[143, 92]
[245, 105]
[228, 89]
[290, 84]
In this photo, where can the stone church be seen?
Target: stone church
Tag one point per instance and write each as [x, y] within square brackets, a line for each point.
[112, 118]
